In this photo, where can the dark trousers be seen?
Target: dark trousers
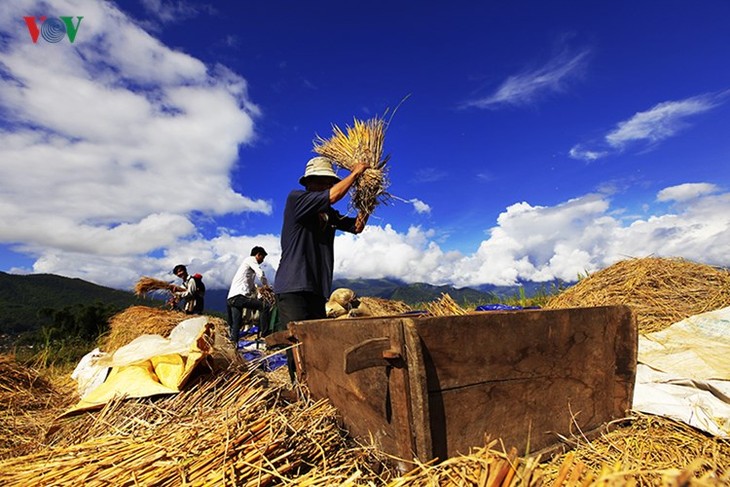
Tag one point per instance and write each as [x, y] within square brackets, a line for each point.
[298, 307]
[235, 307]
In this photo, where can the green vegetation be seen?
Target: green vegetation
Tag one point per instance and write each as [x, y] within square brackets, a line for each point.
[71, 332]
[49, 319]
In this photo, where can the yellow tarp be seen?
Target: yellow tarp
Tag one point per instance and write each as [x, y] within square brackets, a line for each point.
[152, 365]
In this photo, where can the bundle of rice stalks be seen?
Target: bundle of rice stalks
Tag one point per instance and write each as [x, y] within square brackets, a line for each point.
[445, 306]
[661, 291]
[363, 142]
[267, 295]
[147, 285]
[136, 321]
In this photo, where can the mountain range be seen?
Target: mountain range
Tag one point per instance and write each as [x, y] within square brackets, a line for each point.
[24, 299]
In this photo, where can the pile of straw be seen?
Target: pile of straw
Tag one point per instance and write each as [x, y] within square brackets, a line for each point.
[136, 321]
[445, 306]
[383, 307]
[147, 285]
[661, 291]
[363, 142]
[28, 402]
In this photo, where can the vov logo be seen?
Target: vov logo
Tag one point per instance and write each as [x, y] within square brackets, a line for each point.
[52, 29]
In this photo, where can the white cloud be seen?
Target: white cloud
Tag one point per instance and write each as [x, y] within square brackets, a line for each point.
[578, 152]
[104, 154]
[526, 87]
[528, 242]
[685, 192]
[420, 206]
[173, 11]
[659, 122]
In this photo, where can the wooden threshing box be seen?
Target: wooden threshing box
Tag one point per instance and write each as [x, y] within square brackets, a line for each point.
[432, 387]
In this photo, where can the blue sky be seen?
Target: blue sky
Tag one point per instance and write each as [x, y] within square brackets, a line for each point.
[535, 140]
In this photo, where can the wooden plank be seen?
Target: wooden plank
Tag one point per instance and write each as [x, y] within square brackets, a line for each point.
[418, 394]
[507, 374]
[373, 400]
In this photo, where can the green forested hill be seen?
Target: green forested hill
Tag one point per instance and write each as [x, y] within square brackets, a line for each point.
[28, 301]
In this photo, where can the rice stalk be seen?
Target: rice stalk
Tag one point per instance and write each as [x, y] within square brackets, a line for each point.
[445, 306]
[146, 285]
[362, 142]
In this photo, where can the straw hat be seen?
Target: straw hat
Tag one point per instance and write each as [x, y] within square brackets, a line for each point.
[318, 166]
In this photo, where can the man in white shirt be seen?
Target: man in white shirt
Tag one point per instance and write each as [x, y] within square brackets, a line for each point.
[243, 294]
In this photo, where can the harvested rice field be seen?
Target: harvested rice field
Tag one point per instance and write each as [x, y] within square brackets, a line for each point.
[233, 424]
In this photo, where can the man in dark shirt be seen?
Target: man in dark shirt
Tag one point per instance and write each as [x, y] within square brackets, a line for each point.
[304, 276]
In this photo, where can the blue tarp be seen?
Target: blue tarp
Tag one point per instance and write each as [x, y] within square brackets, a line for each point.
[267, 363]
[502, 307]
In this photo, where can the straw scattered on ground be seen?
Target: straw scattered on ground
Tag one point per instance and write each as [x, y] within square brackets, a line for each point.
[28, 403]
[647, 450]
[227, 430]
[363, 142]
[661, 291]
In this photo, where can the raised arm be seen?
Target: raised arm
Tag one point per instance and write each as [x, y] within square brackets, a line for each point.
[339, 190]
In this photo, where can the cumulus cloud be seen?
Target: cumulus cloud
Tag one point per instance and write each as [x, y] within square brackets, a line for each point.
[420, 206]
[527, 243]
[104, 155]
[686, 192]
[526, 87]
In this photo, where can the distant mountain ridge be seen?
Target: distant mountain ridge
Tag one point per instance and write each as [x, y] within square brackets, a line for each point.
[22, 297]
[414, 294]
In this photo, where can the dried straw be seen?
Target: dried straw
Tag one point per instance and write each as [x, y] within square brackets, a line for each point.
[363, 142]
[651, 450]
[227, 430]
[28, 402]
[267, 295]
[383, 307]
[147, 285]
[661, 291]
[136, 321]
[445, 306]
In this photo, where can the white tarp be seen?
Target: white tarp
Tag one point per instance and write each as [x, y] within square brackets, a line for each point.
[684, 372]
[88, 374]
